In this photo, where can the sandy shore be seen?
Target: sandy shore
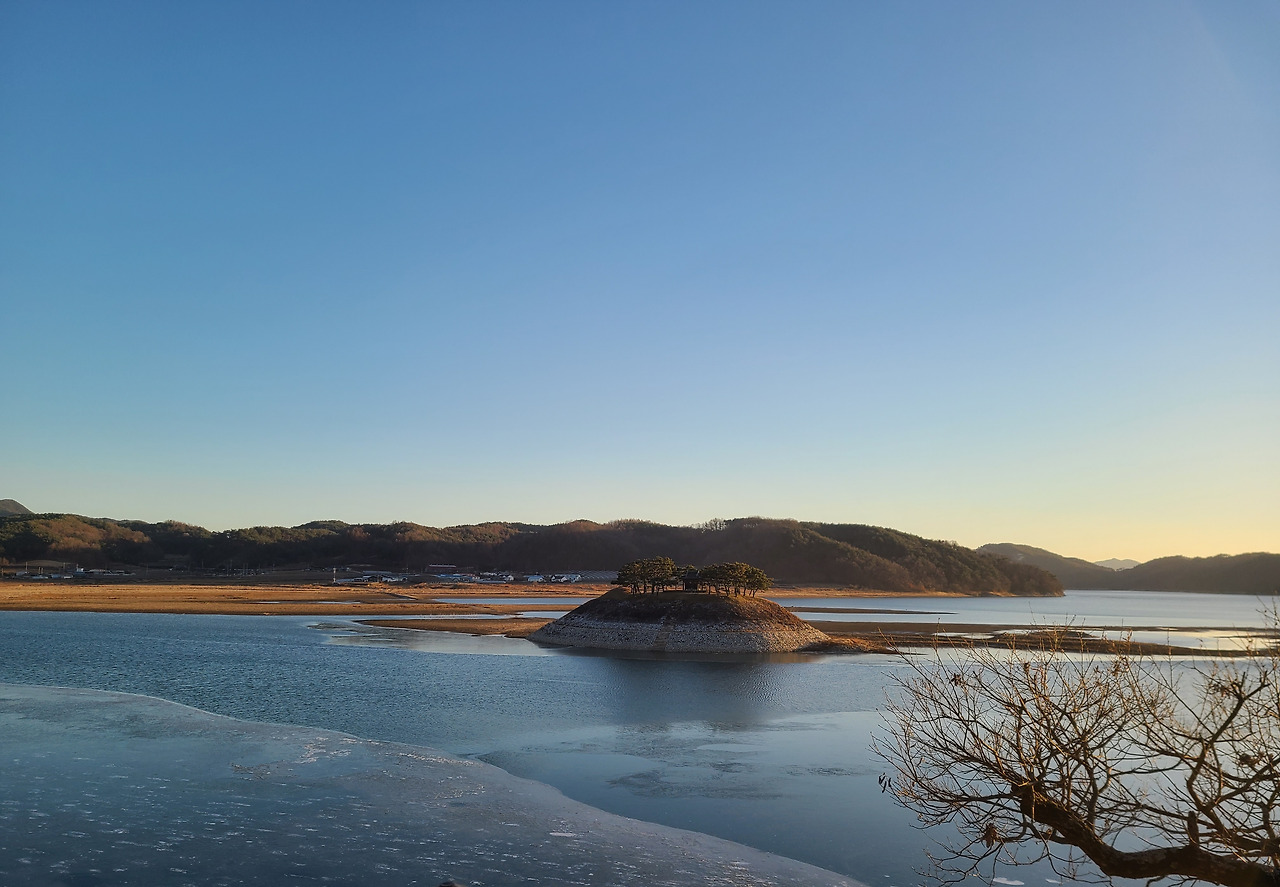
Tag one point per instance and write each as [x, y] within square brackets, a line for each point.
[309, 599]
[884, 636]
[273, 600]
[512, 627]
[367, 602]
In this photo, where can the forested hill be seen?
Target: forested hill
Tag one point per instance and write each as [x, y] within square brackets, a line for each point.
[1072, 572]
[1257, 573]
[789, 551]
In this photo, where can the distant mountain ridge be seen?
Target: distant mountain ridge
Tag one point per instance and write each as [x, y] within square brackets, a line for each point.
[1072, 572]
[12, 506]
[850, 555]
[1117, 563]
[1254, 573]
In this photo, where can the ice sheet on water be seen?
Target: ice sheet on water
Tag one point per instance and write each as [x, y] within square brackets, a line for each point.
[108, 788]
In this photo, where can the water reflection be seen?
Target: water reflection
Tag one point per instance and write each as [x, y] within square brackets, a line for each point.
[1130, 608]
[768, 752]
[360, 635]
[789, 785]
[659, 692]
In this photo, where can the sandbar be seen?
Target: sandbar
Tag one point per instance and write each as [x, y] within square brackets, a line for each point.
[312, 599]
[368, 602]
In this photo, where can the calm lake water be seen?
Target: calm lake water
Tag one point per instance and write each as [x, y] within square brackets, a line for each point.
[1084, 608]
[771, 753]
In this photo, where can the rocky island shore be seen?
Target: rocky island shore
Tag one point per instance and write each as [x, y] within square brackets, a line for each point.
[683, 622]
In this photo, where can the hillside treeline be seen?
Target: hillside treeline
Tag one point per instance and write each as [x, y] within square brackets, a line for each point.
[791, 551]
[1256, 573]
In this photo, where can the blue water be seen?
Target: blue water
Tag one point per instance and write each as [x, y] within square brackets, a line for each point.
[769, 753]
[1082, 608]
[113, 789]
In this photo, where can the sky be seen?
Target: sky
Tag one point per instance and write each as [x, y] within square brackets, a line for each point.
[997, 272]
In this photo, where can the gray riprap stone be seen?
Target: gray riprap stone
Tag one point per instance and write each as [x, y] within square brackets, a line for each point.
[580, 630]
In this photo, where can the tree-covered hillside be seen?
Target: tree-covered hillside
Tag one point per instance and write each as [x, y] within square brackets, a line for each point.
[1256, 573]
[792, 552]
[1072, 572]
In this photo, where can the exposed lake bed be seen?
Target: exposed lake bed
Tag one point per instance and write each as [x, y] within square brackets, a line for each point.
[1083, 621]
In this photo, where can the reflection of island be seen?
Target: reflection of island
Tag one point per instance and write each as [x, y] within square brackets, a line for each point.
[683, 622]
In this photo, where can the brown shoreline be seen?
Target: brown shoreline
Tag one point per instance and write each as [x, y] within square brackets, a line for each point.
[252, 598]
[363, 602]
[888, 637]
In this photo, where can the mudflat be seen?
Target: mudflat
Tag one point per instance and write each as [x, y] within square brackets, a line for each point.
[364, 602]
[368, 602]
[256, 598]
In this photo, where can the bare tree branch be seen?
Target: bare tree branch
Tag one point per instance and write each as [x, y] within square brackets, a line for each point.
[1150, 769]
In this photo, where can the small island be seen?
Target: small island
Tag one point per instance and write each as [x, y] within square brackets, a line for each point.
[663, 608]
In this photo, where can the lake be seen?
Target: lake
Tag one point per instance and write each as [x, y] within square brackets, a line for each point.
[771, 753]
[1082, 608]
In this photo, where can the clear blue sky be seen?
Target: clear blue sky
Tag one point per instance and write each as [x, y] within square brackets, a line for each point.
[982, 272]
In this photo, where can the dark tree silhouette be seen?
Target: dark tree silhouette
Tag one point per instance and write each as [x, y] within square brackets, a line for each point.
[659, 573]
[650, 574]
[1147, 768]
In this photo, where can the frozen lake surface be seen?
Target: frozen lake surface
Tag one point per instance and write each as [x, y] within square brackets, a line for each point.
[105, 788]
